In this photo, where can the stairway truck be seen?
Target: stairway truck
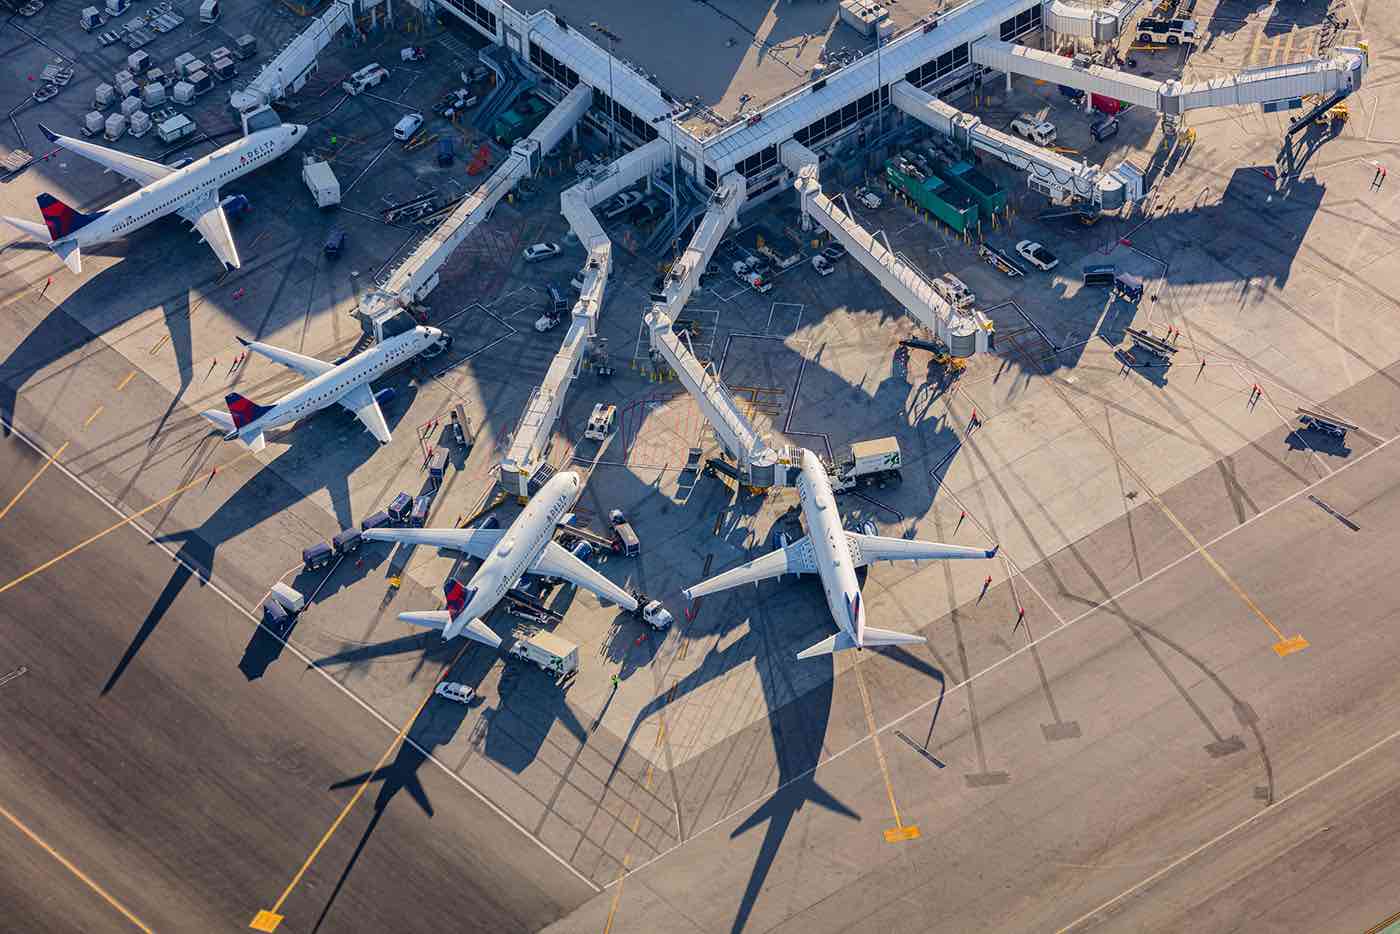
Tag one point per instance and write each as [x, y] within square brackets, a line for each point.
[548, 651]
[878, 460]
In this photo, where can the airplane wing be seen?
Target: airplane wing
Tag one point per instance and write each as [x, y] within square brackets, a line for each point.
[208, 218]
[141, 171]
[361, 401]
[555, 561]
[867, 549]
[476, 542]
[307, 367]
[796, 558]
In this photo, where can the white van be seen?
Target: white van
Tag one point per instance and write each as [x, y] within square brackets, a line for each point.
[405, 128]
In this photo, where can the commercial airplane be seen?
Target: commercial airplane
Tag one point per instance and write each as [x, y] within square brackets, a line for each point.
[527, 547]
[347, 383]
[191, 191]
[831, 552]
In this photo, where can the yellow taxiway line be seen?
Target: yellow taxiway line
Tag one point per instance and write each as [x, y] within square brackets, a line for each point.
[25, 489]
[900, 831]
[81, 876]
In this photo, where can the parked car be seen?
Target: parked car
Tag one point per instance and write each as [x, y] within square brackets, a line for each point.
[454, 691]
[1104, 128]
[541, 251]
[1037, 255]
[405, 128]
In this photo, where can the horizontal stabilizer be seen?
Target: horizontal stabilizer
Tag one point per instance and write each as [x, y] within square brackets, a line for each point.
[873, 637]
[37, 231]
[222, 419]
[67, 250]
[475, 630]
[433, 619]
[837, 643]
[255, 443]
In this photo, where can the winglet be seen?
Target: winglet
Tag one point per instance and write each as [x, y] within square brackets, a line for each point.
[993, 552]
[49, 135]
[242, 340]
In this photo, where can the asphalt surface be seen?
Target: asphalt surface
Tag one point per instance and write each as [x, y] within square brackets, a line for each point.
[191, 794]
[1138, 757]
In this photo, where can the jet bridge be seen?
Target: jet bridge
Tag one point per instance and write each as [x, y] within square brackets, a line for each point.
[1056, 176]
[685, 274]
[963, 333]
[417, 275]
[1342, 70]
[524, 467]
[289, 69]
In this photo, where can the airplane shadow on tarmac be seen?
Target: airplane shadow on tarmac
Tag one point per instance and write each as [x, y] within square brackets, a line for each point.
[263, 496]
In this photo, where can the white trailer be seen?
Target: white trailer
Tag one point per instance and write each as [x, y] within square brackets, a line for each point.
[877, 460]
[321, 182]
[548, 651]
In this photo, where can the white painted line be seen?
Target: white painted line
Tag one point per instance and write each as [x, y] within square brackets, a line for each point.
[208, 577]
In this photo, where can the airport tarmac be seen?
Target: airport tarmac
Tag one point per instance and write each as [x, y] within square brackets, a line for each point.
[1075, 464]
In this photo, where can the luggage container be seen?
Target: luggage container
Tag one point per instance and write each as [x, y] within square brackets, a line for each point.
[201, 81]
[245, 47]
[103, 96]
[318, 556]
[127, 88]
[177, 127]
[117, 7]
[422, 505]
[129, 106]
[377, 521]
[224, 68]
[437, 466]
[91, 18]
[138, 63]
[156, 76]
[94, 123]
[183, 59]
[153, 95]
[399, 507]
[209, 11]
[139, 123]
[1100, 274]
[346, 542]
[183, 93]
[276, 617]
[292, 600]
[115, 128]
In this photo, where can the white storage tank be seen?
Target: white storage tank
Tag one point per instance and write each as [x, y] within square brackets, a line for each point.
[115, 127]
[94, 123]
[153, 95]
[103, 96]
[183, 93]
[140, 123]
[130, 105]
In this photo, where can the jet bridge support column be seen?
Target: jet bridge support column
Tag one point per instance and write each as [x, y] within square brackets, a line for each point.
[525, 466]
[963, 333]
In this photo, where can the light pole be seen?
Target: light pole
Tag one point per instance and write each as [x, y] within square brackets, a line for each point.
[613, 39]
[675, 190]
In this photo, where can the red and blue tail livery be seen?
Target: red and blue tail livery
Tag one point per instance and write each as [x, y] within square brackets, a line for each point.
[457, 595]
[62, 220]
[244, 411]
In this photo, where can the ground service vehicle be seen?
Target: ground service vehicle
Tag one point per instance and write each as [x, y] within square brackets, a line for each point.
[454, 691]
[822, 265]
[364, 79]
[541, 251]
[548, 651]
[1037, 255]
[625, 538]
[405, 128]
[1040, 132]
[875, 461]
[656, 616]
[600, 422]
[1167, 31]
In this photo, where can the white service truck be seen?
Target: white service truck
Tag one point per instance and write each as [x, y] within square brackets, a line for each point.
[321, 182]
[600, 422]
[548, 651]
[875, 461]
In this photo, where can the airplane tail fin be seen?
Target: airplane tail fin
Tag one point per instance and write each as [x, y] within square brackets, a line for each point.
[61, 219]
[244, 411]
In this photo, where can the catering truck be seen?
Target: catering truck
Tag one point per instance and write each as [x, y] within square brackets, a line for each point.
[876, 461]
[548, 651]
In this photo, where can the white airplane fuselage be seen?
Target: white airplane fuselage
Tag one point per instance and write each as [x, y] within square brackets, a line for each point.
[331, 386]
[830, 547]
[191, 183]
[517, 550]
